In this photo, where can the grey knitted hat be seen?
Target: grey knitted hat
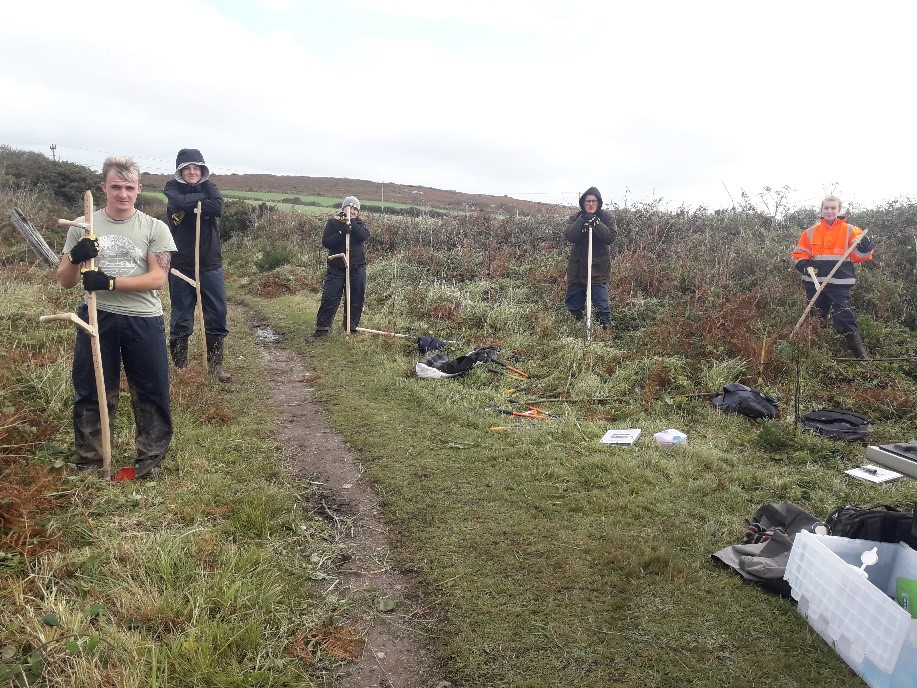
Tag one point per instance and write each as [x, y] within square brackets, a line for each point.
[352, 201]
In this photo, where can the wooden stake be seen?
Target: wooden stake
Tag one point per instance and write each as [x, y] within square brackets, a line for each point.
[92, 330]
[196, 283]
[589, 289]
[347, 267]
[199, 308]
[396, 334]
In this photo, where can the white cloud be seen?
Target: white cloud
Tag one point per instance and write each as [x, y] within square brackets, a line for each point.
[691, 103]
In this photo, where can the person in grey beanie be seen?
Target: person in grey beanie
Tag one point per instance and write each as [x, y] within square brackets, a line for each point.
[334, 238]
[192, 184]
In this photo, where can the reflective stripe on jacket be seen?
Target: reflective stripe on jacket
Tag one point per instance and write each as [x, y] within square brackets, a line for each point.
[824, 244]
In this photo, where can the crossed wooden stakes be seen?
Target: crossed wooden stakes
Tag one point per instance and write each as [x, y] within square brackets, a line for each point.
[196, 283]
[92, 329]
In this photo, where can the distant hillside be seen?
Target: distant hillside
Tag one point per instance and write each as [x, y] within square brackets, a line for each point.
[366, 191]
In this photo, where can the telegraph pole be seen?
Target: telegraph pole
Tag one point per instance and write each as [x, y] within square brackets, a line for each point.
[54, 152]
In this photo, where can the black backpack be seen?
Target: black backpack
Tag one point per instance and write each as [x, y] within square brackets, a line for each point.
[838, 424]
[881, 523]
[747, 401]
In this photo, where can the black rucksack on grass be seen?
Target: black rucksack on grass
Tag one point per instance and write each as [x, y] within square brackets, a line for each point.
[838, 424]
[747, 401]
[881, 523]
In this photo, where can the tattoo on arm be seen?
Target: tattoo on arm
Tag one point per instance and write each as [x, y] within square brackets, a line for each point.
[164, 260]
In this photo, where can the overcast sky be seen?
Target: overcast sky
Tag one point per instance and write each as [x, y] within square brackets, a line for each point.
[692, 103]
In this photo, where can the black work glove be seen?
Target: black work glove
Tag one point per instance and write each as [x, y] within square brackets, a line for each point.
[804, 265]
[96, 280]
[865, 245]
[591, 222]
[85, 249]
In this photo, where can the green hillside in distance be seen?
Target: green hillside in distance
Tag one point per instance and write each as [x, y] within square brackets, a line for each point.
[366, 191]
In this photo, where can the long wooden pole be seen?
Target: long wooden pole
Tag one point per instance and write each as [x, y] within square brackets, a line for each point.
[347, 267]
[388, 333]
[589, 289]
[199, 308]
[92, 330]
[824, 283]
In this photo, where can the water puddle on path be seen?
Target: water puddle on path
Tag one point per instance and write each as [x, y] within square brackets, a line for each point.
[266, 334]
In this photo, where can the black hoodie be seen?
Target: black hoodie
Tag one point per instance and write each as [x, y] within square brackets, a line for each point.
[183, 198]
[603, 234]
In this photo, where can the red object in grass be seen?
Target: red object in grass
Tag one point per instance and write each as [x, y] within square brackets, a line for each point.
[124, 474]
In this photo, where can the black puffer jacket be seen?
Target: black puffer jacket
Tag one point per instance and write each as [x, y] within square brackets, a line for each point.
[603, 234]
[182, 221]
[334, 239]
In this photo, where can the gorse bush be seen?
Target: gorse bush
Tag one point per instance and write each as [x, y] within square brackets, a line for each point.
[64, 182]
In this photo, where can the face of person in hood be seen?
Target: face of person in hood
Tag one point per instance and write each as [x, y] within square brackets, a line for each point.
[591, 204]
[191, 173]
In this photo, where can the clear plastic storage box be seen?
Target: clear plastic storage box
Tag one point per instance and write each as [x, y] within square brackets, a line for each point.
[857, 614]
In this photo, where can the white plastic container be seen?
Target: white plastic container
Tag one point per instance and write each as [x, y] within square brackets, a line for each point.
[670, 437]
[856, 614]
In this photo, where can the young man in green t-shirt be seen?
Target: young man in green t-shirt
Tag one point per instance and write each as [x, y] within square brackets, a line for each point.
[133, 254]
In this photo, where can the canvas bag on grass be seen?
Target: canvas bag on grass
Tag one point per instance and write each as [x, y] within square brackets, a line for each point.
[838, 424]
[747, 401]
[880, 523]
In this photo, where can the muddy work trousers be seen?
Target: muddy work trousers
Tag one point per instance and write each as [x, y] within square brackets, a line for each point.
[834, 300]
[139, 344]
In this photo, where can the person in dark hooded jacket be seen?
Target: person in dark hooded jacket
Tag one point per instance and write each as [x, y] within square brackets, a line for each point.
[192, 184]
[601, 223]
[346, 223]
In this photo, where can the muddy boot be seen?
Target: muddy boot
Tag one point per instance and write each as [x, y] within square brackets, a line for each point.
[179, 350]
[605, 321]
[578, 315]
[855, 344]
[215, 359]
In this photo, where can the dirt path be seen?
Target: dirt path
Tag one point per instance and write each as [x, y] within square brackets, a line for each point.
[392, 656]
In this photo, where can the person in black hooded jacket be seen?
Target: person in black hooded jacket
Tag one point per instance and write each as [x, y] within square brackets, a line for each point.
[334, 238]
[602, 225]
[192, 184]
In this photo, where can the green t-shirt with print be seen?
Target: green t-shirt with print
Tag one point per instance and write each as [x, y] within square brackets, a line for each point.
[124, 246]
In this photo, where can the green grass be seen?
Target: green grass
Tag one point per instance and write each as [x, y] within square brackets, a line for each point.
[559, 561]
[201, 577]
[544, 557]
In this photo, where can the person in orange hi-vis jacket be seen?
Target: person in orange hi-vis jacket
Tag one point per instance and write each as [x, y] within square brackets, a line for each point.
[820, 247]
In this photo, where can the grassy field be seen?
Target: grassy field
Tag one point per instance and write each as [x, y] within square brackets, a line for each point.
[550, 559]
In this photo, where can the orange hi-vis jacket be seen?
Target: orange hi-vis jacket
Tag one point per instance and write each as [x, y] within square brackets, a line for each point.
[822, 245]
